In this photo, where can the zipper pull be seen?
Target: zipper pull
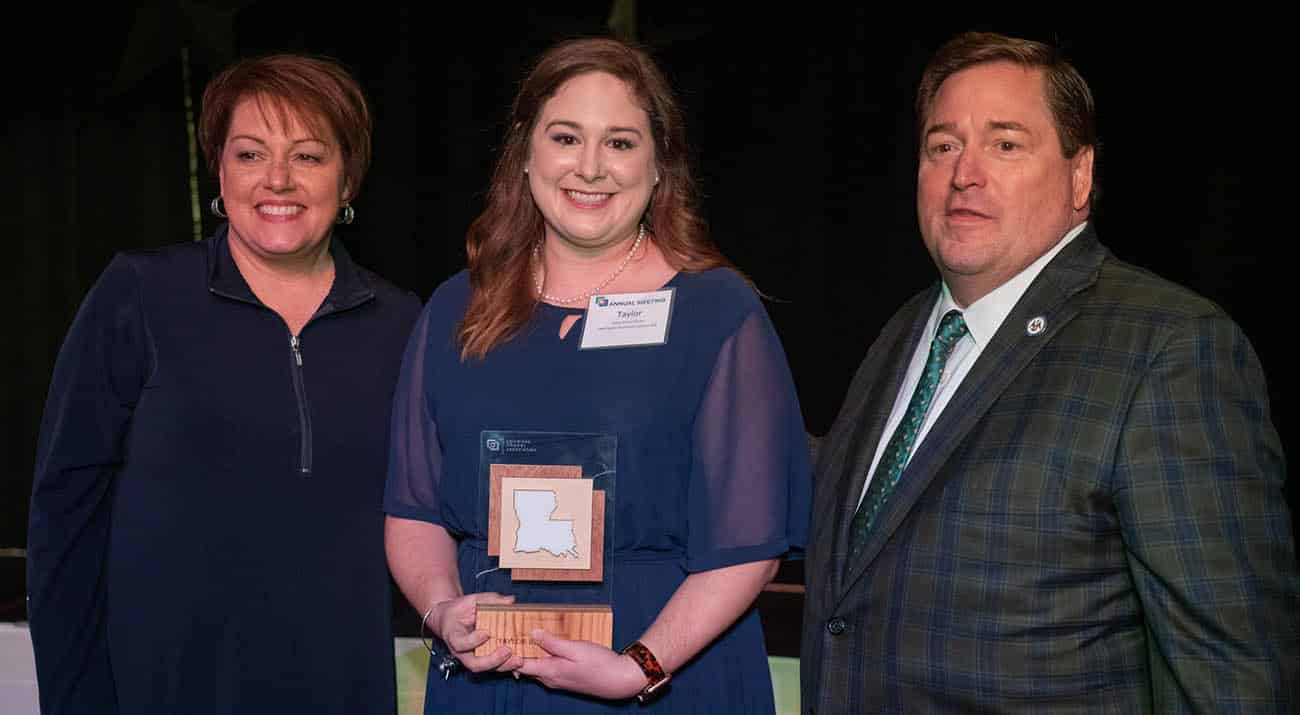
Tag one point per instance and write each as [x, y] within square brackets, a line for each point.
[294, 345]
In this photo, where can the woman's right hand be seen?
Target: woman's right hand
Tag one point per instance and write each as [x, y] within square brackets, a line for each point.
[453, 622]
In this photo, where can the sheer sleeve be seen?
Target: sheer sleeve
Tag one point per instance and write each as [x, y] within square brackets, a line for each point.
[98, 377]
[749, 490]
[415, 457]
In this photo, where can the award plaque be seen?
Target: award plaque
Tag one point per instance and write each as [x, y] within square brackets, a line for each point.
[549, 502]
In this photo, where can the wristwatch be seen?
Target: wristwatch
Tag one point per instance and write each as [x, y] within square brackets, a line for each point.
[653, 671]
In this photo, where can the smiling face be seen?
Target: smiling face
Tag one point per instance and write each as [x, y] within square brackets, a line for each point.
[282, 185]
[591, 167]
[994, 189]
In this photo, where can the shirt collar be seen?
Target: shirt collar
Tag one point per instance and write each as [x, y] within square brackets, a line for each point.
[350, 287]
[985, 316]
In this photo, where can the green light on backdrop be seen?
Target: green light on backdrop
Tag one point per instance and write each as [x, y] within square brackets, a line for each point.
[195, 216]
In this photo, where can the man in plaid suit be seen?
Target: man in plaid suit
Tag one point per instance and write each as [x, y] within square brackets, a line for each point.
[1053, 485]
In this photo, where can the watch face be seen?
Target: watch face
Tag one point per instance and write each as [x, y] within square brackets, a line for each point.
[653, 690]
[655, 686]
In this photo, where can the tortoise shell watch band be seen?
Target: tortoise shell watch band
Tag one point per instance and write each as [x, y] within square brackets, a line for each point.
[650, 666]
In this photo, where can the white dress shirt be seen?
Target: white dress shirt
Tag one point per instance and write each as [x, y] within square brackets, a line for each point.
[983, 318]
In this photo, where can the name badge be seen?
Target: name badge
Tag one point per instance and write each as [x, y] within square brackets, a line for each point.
[625, 320]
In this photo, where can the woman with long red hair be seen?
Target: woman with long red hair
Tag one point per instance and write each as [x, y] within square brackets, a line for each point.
[591, 203]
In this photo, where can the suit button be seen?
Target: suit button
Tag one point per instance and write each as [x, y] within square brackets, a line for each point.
[836, 626]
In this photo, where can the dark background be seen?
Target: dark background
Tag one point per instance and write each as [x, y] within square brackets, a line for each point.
[804, 143]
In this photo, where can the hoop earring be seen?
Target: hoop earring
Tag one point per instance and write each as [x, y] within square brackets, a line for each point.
[346, 215]
[217, 209]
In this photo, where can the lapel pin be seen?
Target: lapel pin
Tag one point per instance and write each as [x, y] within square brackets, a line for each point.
[1036, 325]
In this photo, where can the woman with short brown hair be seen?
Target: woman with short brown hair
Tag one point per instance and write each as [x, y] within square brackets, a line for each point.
[206, 533]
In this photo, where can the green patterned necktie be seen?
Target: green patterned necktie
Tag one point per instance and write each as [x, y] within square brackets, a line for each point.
[894, 458]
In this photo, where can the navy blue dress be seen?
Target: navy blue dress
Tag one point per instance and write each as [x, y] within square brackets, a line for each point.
[712, 469]
[206, 526]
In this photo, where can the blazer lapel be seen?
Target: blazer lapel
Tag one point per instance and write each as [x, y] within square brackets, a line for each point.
[863, 419]
[1010, 350]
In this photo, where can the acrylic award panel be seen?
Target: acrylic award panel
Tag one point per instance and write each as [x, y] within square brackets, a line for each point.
[549, 502]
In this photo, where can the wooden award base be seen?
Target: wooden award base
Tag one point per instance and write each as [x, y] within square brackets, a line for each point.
[511, 625]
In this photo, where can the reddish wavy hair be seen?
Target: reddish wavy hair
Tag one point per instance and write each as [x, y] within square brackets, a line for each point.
[499, 242]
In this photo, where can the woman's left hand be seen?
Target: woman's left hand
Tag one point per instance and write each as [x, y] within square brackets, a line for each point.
[583, 667]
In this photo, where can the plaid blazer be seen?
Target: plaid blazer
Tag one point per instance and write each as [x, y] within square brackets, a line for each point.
[1095, 523]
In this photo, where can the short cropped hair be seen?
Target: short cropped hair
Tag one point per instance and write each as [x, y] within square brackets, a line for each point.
[317, 91]
[1068, 97]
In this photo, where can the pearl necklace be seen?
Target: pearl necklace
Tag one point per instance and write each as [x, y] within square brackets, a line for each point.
[537, 256]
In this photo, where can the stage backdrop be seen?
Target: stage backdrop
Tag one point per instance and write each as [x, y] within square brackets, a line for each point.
[803, 134]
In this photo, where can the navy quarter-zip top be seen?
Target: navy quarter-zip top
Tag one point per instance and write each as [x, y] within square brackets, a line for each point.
[207, 506]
